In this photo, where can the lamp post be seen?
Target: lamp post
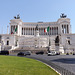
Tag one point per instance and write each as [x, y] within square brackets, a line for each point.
[7, 29]
[49, 40]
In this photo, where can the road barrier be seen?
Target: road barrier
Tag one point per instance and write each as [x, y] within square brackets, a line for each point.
[59, 69]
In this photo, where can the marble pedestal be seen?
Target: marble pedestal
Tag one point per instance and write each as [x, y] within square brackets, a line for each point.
[61, 50]
[0, 46]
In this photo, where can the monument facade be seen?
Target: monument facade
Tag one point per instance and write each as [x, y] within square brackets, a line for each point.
[57, 35]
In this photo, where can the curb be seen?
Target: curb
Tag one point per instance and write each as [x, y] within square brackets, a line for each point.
[45, 64]
[49, 66]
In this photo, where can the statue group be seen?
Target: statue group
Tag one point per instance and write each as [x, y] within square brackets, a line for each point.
[63, 16]
[36, 27]
[18, 17]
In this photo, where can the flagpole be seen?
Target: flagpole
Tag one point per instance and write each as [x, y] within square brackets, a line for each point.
[49, 34]
[49, 40]
[7, 29]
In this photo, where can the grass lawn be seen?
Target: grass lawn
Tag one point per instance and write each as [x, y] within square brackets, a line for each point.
[12, 65]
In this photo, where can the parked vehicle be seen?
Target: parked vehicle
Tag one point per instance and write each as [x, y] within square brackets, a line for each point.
[52, 53]
[73, 53]
[57, 53]
[27, 53]
[40, 52]
[20, 54]
[67, 53]
[4, 52]
[24, 53]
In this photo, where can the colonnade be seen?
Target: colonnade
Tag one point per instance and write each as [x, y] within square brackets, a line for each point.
[28, 31]
[53, 31]
[65, 29]
[31, 31]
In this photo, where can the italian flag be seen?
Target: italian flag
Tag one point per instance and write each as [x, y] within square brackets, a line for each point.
[15, 29]
[11, 32]
[46, 29]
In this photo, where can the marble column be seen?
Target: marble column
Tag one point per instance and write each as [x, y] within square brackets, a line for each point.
[54, 30]
[23, 31]
[51, 30]
[30, 31]
[64, 29]
[14, 29]
[57, 30]
[39, 31]
[34, 31]
[26, 31]
[67, 29]
[11, 29]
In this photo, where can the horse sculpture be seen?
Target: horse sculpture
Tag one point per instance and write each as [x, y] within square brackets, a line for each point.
[18, 17]
[63, 16]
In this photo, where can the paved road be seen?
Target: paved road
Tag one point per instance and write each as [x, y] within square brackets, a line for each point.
[65, 61]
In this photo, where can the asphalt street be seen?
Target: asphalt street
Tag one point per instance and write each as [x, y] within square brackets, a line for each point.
[65, 61]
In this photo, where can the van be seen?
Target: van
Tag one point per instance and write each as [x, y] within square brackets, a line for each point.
[52, 53]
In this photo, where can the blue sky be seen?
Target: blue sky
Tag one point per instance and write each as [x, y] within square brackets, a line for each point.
[35, 10]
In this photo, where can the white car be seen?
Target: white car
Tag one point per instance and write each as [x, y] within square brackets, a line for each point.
[52, 53]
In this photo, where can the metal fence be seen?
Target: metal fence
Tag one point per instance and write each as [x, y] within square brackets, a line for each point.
[59, 69]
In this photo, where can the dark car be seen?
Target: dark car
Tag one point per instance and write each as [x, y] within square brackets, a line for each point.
[20, 54]
[57, 53]
[67, 53]
[41, 52]
[73, 53]
[24, 53]
[4, 52]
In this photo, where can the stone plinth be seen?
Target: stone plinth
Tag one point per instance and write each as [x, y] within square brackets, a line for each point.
[37, 33]
[0, 46]
[61, 50]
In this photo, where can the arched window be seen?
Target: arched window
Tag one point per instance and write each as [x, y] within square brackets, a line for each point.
[7, 42]
[69, 42]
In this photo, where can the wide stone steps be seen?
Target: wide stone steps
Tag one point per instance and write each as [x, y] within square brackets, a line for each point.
[32, 49]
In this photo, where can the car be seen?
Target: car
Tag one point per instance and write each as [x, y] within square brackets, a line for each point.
[24, 53]
[20, 54]
[67, 53]
[27, 53]
[52, 53]
[73, 53]
[57, 53]
[40, 52]
[4, 52]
